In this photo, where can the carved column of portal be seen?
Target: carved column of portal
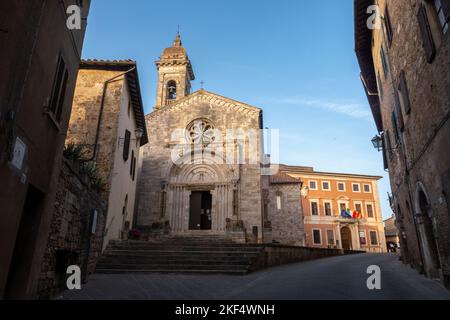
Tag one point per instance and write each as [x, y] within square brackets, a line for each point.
[177, 205]
[221, 207]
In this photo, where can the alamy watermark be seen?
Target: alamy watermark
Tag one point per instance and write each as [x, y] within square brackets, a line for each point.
[74, 279]
[374, 280]
[374, 21]
[73, 21]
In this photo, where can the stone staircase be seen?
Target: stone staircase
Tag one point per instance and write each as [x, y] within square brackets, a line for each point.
[178, 254]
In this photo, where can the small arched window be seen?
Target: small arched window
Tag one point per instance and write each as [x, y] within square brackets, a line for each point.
[171, 90]
[279, 200]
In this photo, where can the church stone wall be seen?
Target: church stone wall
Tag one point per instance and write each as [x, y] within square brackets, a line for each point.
[286, 222]
[156, 165]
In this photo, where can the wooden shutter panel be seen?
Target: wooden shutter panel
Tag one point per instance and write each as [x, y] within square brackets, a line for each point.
[126, 145]
[446, 188]
[388, 144]
[395, 127]
[427, 37]
[403, 87]
[385, 160]
[387, 21]
[134, 168]
[398, 110]
[446, 9]
[131, 164]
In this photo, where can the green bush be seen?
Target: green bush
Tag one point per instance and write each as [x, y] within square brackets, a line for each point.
[73, 151]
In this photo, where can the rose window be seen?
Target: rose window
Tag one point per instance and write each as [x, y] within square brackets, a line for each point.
[201, 132]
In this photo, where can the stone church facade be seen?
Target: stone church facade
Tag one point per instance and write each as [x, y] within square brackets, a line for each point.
[201, 172]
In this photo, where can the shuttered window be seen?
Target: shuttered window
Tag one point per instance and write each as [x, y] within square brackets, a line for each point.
[373, 238]
[395, 127]
[328, 212]
[380, 86]
[330, 237]
[131, 163]
[443, 12]
[126, 146]
[388, 26]
[314, 208]
[134, 168]
[317, 238]
[59, 89]
[398, 110]
[370, 211]
[384, 62]
[404, 93]
[385, 158]
[427, 37]
[387, 138]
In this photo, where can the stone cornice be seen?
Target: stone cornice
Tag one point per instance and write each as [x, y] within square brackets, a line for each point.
[208, 97]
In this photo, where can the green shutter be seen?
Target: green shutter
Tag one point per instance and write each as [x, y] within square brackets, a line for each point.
[427, 37]
[403, 87]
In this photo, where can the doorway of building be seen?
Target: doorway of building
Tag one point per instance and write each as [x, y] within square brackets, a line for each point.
[430, 249]
[200, 210]
[346, 238]
[19, 270]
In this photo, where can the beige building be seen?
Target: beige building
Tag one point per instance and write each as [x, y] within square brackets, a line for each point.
[201, 172]
[108, 119]
[340, 210]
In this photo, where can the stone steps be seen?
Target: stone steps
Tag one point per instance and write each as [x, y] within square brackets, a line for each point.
[210, 248]
[165, 271]
[183, 253]
[204, 255]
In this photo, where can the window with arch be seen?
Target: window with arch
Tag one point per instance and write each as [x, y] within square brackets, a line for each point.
[279, 200]
[171, 90]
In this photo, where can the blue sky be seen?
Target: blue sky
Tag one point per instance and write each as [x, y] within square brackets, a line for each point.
[292, 58]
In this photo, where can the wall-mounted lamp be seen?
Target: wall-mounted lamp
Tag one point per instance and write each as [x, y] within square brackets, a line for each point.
[139, 133]
[377, 142]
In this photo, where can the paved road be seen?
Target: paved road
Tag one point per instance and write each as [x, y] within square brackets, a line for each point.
[332, 278]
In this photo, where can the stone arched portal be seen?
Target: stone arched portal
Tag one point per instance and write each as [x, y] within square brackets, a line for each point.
[427, 233]
[200, 197]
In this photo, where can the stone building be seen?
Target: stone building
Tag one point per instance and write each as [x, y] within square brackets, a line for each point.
[201, 171]
[39, 62]
[340, 210]
[76, 232]
[108, 120]
[285, 219]
[405, 68]
[392, 234]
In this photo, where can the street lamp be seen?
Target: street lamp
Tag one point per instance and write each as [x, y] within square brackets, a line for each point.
[377, 142]
[139, 132]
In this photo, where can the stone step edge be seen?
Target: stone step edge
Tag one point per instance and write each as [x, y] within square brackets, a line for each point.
[165, 271]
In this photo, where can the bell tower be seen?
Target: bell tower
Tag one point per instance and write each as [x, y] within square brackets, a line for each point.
[175, 74]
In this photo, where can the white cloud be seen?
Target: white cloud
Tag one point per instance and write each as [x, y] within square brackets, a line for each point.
[353, 110]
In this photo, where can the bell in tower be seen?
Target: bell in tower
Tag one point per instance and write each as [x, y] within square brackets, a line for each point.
[175, 74]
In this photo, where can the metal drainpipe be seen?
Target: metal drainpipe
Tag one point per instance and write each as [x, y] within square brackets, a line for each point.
[100, 116]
